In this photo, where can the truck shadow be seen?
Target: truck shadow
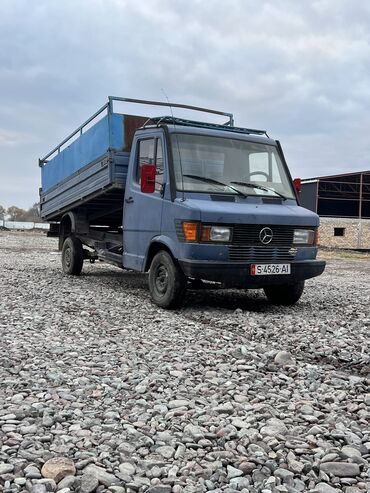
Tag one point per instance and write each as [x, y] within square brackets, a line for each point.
[196, 298]
[228, 299]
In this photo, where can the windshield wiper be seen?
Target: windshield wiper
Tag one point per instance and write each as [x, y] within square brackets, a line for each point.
[259, 187]
[216, 182]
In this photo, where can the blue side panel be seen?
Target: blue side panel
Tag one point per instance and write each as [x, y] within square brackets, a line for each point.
[116, 132]
[120, 167]
[106, 134]
[99, 185]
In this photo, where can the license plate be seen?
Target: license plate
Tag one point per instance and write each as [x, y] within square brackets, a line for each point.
[270, 269]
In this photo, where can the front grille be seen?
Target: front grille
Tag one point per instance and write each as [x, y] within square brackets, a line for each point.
[263, 254]
[247, 246]
[248, 234]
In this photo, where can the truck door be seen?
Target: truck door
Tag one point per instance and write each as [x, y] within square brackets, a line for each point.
[142, 212]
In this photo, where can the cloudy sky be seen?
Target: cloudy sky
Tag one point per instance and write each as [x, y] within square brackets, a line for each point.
[300, 69]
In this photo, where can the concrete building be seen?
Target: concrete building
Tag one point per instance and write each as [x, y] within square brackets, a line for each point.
[343, 204]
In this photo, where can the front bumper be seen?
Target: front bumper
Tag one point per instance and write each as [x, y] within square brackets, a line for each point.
[238, 274]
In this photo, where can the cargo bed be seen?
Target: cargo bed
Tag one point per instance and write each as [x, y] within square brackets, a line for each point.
[91, 171]
[99, 184]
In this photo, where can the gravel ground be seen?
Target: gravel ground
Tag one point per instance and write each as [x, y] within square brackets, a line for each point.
[101, 390]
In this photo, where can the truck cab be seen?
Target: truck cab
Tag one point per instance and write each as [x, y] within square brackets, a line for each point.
[200, 202]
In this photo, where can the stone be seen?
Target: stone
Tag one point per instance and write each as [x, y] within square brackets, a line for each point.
[330, 457]
[20, 481]
[47, 421]
[67, 482]
[58, 468]
[239, 483]
[104, 477]
[17, 398]
[284, 358]
[28, 430]
[225, 408]
[315, 430]
[247, 467]
[194, 432]
[166, 451]
[38, 488]
[295, 466]
[352, 438]
[6, 468]
[180, 451]
[160, 488]
[283, 474]
[240, 398]
[274, 427]
[233, 472]
[89, 482]
[50, 484]
[299, 485]
[324, 488]
[8, 417]
[178, 403]
[117, 489]
[340, 469]
[350, 452]
[155, 472]
[172, 472]
[240, 423]
[127, 468]
[32, 472]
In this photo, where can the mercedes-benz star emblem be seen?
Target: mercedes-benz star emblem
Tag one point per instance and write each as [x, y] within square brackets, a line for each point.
[266, 236]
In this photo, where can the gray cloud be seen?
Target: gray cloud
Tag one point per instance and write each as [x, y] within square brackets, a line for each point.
[298, 69]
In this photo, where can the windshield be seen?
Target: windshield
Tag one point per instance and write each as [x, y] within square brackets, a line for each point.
[223, 165]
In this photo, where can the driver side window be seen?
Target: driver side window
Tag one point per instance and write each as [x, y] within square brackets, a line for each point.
[150, 152]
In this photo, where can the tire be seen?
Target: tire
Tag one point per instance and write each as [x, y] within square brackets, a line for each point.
[286, 294]
[72, 256]
[167, 282]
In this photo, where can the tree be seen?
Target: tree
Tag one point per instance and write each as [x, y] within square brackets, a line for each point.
[15, 213]
[2, 215]
[33, 213]
[30, 215]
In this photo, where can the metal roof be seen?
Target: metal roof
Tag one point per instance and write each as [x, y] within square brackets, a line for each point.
[317, 178]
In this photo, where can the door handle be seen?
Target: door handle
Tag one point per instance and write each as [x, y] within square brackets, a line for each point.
[129, 200]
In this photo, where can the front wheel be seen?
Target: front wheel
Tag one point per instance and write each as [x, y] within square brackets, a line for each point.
[167, 283]
[72, 256]
[286, 294]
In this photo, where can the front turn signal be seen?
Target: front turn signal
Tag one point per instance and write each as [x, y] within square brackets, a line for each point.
[190, 231]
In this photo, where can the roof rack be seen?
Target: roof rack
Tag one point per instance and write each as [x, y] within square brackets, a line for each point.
[171, 105]
[193, 123]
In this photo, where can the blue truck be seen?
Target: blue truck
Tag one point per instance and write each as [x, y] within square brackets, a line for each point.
[189, 202]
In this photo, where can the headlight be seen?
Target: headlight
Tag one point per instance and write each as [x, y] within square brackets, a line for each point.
[216, 233]
[304, 237]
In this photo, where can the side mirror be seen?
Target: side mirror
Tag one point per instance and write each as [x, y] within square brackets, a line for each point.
[147, 178]
[297, 182]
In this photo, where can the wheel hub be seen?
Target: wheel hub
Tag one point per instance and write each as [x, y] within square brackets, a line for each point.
[67, 257]
[161, 279]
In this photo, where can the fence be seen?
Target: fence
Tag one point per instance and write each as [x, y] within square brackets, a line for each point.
[20, 225]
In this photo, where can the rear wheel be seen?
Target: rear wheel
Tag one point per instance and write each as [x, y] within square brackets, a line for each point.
[286, 294]
[167, 282]
[72, 256]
